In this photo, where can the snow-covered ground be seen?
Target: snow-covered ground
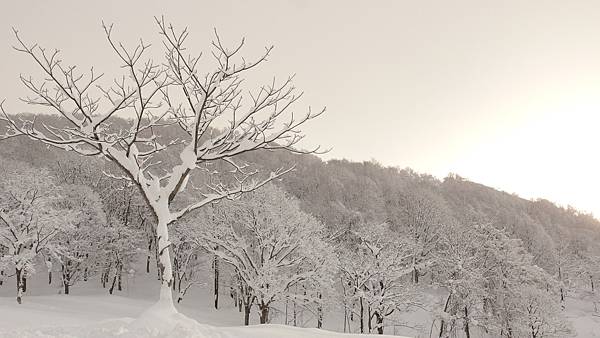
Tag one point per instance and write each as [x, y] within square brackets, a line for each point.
[580, 312]
[91, 312]
[105, 315]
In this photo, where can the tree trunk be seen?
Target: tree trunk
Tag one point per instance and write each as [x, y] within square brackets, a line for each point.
[247, 308]
[164, 259]
[286, 311]
[177, 274]
[156, 258]
[442, 323]
[416, 275]
[345, 315]
[234, 296]
[379, 321]
[467, 331]
[295, 315]
[50, 277]
[1, 277]
[264, 313]
[320, 314]
[148, 256]
[112, 286]
[179, 281]
[216, 282]
[370, 317]
[362, 316]
[105, 278]
[119, 277]
[65, 277]
[592, 282]
[562, 293]
[19, 273]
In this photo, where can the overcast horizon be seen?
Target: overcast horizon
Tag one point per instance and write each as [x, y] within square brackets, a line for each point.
[503, 94]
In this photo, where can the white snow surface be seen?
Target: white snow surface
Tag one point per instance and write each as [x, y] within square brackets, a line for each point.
[91, 312]
[96, 316]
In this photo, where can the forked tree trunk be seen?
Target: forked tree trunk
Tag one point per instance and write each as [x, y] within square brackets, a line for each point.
[105, 278]
[379, 321]
[264, 313]
[66, 277]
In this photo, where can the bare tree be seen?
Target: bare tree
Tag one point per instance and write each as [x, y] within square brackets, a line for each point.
[155, 97]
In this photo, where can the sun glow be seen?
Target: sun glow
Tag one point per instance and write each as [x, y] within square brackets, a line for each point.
[553, 154]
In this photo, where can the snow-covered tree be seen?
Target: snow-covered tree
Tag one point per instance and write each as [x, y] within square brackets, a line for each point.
[188, 259]
[459, 268]
[422, 215]
[155, 97]
[78, 256]
[273, 246]
[494, 286]
[117, 248]
[30, 217]
[375, 270]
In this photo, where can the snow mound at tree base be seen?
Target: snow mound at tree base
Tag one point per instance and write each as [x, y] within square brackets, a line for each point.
[162, 320]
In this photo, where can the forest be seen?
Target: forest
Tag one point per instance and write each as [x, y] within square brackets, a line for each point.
[364, 239]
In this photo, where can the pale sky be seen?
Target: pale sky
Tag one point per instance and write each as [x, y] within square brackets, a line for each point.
[504, 93]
